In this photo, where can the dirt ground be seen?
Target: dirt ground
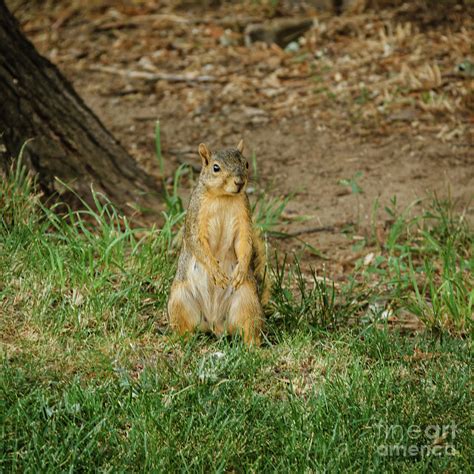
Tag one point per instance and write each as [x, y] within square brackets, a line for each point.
[381, 97]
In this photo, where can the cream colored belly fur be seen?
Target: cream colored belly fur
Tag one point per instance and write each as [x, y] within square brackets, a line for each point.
[213, 301]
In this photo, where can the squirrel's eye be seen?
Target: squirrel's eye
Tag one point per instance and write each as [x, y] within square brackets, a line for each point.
[216, 168]
[247, 165]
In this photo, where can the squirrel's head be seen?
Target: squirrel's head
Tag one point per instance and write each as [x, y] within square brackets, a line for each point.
[224, 172]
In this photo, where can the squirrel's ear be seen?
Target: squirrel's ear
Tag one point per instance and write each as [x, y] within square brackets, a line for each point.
[240, 146]
[205, 154]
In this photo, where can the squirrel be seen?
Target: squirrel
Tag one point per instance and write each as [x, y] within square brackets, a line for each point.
[220, 283]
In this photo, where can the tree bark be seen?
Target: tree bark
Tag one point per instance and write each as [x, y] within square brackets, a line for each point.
[66, 139]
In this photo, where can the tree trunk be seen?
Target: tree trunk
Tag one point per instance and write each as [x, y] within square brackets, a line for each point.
[67, 140]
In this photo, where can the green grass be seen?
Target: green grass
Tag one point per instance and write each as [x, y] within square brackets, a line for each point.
[426, 266]
[302, 404]
[92, 380]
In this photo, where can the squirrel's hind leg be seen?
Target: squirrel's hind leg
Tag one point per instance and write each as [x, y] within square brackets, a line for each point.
[183, 312]
[245, 313]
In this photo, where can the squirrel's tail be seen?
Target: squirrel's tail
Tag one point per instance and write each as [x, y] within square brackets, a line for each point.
[260, 269]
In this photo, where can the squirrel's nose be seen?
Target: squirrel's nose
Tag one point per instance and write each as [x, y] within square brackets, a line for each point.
[239, 182]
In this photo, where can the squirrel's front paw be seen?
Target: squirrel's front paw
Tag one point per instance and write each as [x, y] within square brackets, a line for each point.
[238, 276]
[220, 279]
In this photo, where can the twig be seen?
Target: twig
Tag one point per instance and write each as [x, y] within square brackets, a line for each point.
[137, 20]
[152, 76]
[313, 230]
[308, 230]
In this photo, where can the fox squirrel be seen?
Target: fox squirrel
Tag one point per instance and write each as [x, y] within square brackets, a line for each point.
[220, 283]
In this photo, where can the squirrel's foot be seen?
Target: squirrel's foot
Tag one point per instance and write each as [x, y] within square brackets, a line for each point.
[238, 276]
[220, 278]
